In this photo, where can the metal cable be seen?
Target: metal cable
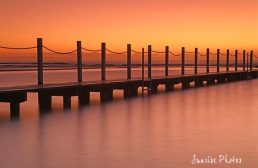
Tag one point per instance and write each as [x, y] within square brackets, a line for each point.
[232, 55]
[221, 54]
[202, 55]
[57, 52]
[137, 52]
[255, 56]
[90, 50]
[17, 48]
[158, 52]
[212, 53]
[113, 52]
[189, 52]
[176, 55]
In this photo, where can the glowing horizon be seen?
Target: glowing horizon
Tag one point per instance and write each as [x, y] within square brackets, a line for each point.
[200, 23]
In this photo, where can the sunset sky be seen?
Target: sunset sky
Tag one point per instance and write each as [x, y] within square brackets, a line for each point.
[190, 23]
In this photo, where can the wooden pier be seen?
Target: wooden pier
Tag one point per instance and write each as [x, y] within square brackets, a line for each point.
[129, 86]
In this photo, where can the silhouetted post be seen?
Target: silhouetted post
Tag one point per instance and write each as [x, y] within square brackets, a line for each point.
[247, 61]
[79, 61]
[244, 60]
[103, 61]
[218, 54]
[251, 60]
[166, 60]
[40, 60]
[207, 60]
[183, 61]
[227, 60]
[236, 57]
[195, 60]
[149, 61]
[129, 54]
[142, 71]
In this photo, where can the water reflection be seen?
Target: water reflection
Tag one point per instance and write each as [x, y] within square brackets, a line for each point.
[163, 130]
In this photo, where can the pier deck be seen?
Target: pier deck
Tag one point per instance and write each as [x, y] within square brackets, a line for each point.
[17, 95]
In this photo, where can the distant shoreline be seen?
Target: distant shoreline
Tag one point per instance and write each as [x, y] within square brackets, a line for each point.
[10, 67]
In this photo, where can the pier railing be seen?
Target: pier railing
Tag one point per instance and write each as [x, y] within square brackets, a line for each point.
[247, 58]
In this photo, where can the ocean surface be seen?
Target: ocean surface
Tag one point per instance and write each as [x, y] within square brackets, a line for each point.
[166, 130]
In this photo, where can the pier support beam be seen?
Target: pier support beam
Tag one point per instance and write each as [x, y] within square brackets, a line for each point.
[198, 83]
[169, 87]
[45, 101]
[14, 99]
[84, 98]
[130, 92]
[210, 81]
[152, 88]
[15, 109]
[106, 95]
[67, 102]
[221, 79]
[185, 84]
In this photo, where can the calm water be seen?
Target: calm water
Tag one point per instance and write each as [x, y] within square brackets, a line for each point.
[161, 131]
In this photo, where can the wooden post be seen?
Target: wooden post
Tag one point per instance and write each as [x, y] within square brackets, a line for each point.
[142, 71]
[195, 60]
[251, 60]
[166, 60]
[227, 60]
[218, 54]
[129, 54]
[149, 61]
[103, 61]
[207, 60]
[79, 61]
[183, 61]
[40, 60]
[236, 57]
[247, 61]
[244, 60]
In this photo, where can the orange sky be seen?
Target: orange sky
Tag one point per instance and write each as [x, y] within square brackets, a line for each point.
[190, 23]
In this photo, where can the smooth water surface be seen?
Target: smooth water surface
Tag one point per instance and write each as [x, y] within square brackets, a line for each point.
[161, 131]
